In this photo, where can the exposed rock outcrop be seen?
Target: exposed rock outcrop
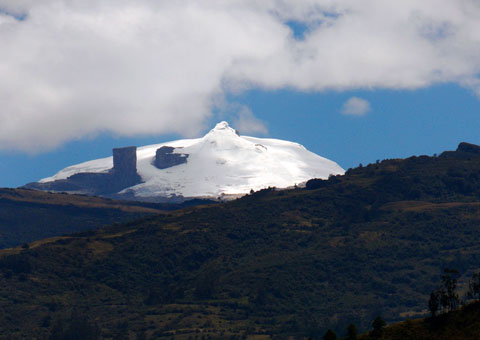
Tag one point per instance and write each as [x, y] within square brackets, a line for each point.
[467, 147]
[165, 158]
[464, 150]
[125, 160]
[122, 175]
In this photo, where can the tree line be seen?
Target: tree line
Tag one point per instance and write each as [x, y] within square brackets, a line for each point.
[446, 298]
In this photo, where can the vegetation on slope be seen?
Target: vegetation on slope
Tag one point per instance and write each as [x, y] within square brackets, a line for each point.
[447, 320]
[274, 264]
[462, 324]
[29, 215]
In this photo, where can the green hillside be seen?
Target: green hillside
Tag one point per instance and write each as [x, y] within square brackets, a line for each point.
[272, 265]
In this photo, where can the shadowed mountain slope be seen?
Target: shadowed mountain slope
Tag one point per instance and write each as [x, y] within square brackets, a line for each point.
[29, 215]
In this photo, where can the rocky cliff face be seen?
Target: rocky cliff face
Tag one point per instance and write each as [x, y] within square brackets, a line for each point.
[125, 160]
[467, 147]
[165, 158]
[122, 175]
[464, 150]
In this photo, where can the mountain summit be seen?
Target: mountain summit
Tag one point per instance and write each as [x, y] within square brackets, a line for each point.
[221, 163]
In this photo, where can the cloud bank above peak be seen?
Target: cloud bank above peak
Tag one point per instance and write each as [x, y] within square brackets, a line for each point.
[74, 68]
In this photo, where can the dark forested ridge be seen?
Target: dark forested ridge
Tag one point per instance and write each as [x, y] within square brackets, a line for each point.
[462, 324]
[29, 215]
[272, 265]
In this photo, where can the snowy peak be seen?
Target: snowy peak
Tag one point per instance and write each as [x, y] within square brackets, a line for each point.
[223, 127]
[223, 137]
[220, 163]
[222, 131]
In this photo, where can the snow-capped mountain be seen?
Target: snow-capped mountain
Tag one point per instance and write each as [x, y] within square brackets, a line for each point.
[220, 163]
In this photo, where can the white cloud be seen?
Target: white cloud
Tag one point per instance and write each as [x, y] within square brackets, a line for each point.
[76, 68]
[246, 123]
[356, 107]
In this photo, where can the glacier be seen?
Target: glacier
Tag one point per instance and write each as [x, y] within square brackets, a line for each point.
[221, 164]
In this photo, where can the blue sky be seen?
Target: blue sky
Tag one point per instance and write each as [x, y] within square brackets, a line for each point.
[400, 124]
[352, 81]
